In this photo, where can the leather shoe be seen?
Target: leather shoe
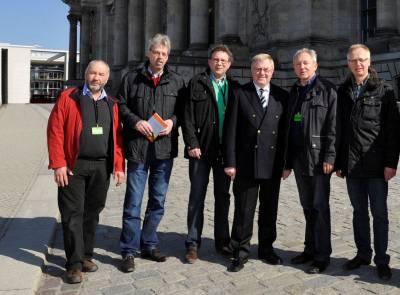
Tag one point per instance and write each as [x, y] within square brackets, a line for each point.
[225, 251]
[301, 258]
[355, 263]
[128, 263]
[74, 276]
[89, 266]
[384, 272]
[154, 254]
[317, 267]
[237, 264]
[270, 257]
[191, 255]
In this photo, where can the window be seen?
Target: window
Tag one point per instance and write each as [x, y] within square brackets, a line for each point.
[368, 19]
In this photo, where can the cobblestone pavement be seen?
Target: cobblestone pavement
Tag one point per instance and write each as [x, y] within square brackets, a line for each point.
[21, 154]
[209, 275]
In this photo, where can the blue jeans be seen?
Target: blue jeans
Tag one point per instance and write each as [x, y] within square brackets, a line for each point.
[199, 172]
[132, 238]
[375, 190]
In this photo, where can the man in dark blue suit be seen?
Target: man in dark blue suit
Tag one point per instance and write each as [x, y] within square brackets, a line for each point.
[254, 145]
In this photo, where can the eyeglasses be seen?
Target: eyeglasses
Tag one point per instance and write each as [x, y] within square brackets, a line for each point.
[222, 61]
[360, 60]
[266, 70]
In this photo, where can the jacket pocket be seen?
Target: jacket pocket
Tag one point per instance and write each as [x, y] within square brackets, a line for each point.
[371, 108]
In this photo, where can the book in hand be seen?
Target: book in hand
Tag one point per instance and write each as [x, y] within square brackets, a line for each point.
[158, 124]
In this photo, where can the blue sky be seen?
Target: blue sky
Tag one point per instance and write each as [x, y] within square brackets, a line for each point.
[34, 22]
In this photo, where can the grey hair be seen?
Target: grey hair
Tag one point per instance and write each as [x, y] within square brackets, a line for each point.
[95, 61]
[262, 57]
[159, 39]
[309, 51]
[356, 46]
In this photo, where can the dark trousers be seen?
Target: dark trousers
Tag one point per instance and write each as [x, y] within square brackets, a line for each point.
[199, 172]
[246, 192]
[80, 203]
[375, 190]
[314, 198]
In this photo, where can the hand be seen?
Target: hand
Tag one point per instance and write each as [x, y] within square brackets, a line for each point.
[144, 127]
[61, 176]
[328, 168]
[339, 173]
[119, 177]
[286, 173]
[389, 173]
[168, 129]
[195, 153]
[231, 172]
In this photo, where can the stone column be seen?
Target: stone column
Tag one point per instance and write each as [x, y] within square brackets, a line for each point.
[73, 23]
[386, 17]
[199, 22]
[135, 30]
[120, 33]
[85, 42]
[177, 24]
[152, 21]
[227, 24]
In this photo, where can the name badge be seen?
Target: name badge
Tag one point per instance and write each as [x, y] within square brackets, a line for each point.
[98, 130]
[297, 117]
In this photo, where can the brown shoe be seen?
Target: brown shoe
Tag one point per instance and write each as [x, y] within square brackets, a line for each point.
[89, 266]
[191, 255]
[74, 276]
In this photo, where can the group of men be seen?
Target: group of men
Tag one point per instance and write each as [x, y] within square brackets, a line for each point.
[253, 135]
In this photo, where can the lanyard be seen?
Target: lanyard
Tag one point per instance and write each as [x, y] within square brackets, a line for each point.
[96, 112]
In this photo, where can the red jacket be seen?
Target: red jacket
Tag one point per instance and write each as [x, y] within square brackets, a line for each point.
[64, 130]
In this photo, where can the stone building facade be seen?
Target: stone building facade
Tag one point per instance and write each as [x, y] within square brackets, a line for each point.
[117, 30]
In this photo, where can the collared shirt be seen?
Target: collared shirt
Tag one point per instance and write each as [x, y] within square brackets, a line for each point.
[221, 94]
[266, 91]
[86, 91]
[358, 88]
[159, 74]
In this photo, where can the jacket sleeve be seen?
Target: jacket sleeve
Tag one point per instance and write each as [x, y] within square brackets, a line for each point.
[119, 162]
[188, 123]
[177, 117]
[230, 131]
[331, 130]
[55, 134]
[127, 117]
[392, 129]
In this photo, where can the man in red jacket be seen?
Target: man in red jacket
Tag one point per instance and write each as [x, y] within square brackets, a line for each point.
[85, 147]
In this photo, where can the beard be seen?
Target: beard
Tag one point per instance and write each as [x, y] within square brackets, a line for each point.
[94, 87]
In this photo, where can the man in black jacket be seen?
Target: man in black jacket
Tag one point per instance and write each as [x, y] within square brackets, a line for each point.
[311, 153]
[368, 156]
[202, 127]
[148, 90]
[254, 145]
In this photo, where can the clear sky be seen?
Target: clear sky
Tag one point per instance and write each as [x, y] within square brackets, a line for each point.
[34, 22]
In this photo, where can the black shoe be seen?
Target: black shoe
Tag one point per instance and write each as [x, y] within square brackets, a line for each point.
[317, 267]
[355, 263]
[128, 263]
[154, 254]
[301, 258]
[270, 257]
[384, 272]
[237, 264]
[224, 251]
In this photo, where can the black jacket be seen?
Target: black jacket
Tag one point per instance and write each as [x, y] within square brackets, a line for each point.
[254, 139]
[138, 99]
[200, 126]
[318, 125]
[370, 129]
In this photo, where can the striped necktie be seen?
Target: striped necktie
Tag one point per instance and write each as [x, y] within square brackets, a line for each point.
[263, 99]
